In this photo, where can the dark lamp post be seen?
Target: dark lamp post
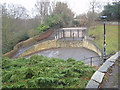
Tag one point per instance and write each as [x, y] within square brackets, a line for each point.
[104, 54]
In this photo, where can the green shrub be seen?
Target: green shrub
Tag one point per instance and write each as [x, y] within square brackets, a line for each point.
[43, 72]
[43, 27]
[70, 60]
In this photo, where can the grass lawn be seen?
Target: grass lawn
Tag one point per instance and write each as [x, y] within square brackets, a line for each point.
[111, 37]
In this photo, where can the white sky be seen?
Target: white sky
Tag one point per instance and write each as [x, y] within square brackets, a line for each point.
[77, 6]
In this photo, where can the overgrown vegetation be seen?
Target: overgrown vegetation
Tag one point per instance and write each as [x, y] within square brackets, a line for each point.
[51, 21]
[19, 26]
[15, 28]
[111, 37]
[43, 72]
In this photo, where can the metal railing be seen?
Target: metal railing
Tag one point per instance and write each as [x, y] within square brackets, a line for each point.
[95, 60]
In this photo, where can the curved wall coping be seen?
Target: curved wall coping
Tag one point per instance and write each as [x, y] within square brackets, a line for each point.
[39, 47]
[91, 46]
[53, 44]
[98, 76]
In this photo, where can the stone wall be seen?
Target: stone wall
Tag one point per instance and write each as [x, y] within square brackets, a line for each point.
[42, 46]
[89, 45]
[56, 44]
[86, 44]
[69, 43]
[98, 76]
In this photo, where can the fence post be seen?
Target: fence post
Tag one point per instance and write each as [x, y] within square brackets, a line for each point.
[91, 61]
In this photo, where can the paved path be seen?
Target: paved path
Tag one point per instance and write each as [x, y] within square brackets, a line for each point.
[112, 80]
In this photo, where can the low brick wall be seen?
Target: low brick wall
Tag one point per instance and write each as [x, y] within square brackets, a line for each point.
[98, 76]
[29, 42]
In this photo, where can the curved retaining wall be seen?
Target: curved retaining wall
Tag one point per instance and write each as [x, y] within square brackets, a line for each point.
[86, 44]
[92, 46]
[42, 46]
[98, 76]
[56, 44]
[28, 43]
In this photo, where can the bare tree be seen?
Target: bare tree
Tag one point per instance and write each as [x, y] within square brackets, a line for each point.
[52, 6]
[4, 15]
[65, 12]
[42, 8]
[82, 19]
[95, 6]
[17, 11]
